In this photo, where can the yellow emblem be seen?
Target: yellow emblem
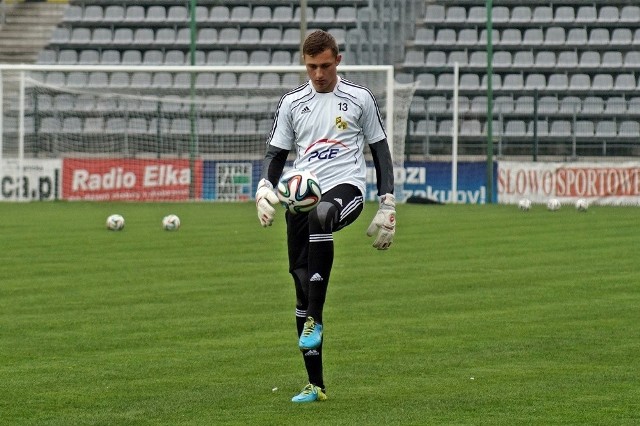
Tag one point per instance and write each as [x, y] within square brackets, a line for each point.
[340, 124]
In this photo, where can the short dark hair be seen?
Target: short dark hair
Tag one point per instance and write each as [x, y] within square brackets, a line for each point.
[319, 41]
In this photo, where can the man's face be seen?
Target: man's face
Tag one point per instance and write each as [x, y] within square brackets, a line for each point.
[322, 70]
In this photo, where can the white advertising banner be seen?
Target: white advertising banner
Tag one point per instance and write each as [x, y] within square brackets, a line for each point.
[615, 183]
[40, 180]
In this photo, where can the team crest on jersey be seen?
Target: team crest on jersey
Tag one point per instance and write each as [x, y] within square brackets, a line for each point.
[341, 124]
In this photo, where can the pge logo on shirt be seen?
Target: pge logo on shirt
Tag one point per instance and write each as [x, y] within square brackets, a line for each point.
[324, 149]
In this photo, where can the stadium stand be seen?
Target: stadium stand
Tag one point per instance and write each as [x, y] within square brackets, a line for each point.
[575, 64]
[564, 59]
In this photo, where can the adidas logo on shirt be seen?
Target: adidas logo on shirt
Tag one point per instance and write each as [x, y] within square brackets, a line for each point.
[305, 110]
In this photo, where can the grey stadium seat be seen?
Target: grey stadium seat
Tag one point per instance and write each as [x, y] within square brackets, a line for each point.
[606, 128]
[240, 14]
[630, 14]
[156, 14]
[602, 82]
[123, 36]
[564, 15]
[113, 13]
[134, 14]
[586, 14]
[593, 105]
[177, 14]
[629, 128]
[455, 14]
[261, 14]
[93, 14]
[560, 128]
[219, 14]
[585, 128]
[521, 15]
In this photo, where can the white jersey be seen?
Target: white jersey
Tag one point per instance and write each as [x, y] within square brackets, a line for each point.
[329, 131]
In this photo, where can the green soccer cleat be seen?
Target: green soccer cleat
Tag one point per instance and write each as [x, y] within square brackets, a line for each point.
[311, 336]
[310, 393]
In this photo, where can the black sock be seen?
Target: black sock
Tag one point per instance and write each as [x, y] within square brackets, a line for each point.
[320, 263]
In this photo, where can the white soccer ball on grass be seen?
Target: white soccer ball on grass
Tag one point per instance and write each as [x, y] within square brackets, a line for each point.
[115, 222]
[299, 191]
[524, 204]
[582, 205]
[171, 222]
[553, 205]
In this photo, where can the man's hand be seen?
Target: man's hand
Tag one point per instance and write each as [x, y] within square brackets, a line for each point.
[265, 198]
[384, 222]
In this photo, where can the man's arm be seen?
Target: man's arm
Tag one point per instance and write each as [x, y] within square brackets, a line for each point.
[273, 164]
[384, 222]
[384, 166]
[272, 167]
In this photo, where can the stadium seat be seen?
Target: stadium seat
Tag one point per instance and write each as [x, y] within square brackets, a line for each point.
[177, 14]
[240, 14]
[629, 14]
[165, 36]
[541, 127]
[140, 80]
[516, 128]
[584, 128]
[606, 128]
[567, 60]
[513, 82]
[621, 37]
[182, 80]
[435, 14]
[564, 15]
[570, 105]
[174, 57]
[228, 36]
[63, 102]
[77, 79]
[503, 104]
[249, 36]
[545, 59]
[162, 80]
[586, 14]
[593, 105]
[435, 59]
[84, 103]
[71, 125]
[238, 57]
[93, 125]
[143, 37]
[156, 14]
[445, 82]
[580, 82]
[281, 57]
[206, 80]
[426, 81]
[476, 15]
[345, 15]
[134, 14]
[560, 128]
[455, 15]
[60, 35]
[535, 81]
[542, 15]
[602, 82]
[73, 14]
[599, 37]
[612, 59]
[224, 126]
[248, 80]
[467, 37]
[459, 57]
[554, 36]
[589, 59]
[500, 14]
[577, 37]
[219, 14]
[625, 82]
[271, 37]
[226, 80]
[67, 57]
[149, 57]
[548, 105]
[521, 15]
[269, 81]
[446, 37]
[533, 37]
[123, 36]
[101, 37]
[324, 15]
[47, 56]
[616, 105]
[608, 15]
[93, 14]
[97, 80]
[524, 105]
[113, 13]
[207, 37]
[282, 15]
[261, 15]
[511, 37]
[629, 128]
[119, 80]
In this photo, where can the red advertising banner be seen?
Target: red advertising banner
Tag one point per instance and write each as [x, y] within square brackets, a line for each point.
[129, 179]
[603, 183]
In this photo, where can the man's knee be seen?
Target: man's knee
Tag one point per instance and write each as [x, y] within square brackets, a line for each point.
[325, 215]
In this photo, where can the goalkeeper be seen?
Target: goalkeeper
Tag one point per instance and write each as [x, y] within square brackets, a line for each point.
[327, 122]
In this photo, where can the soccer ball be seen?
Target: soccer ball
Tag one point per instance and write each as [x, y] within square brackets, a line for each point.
[524, 204]
[582, 205]
[553, 205]
[115, 222]
[171, 222]
[299, 191]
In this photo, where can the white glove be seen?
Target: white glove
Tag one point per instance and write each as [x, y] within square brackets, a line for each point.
[384, 222]
[265, 198]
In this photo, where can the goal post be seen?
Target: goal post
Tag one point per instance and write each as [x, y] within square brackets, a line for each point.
[145, 133]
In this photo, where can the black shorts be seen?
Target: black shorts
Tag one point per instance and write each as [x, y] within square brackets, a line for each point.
[347, 201]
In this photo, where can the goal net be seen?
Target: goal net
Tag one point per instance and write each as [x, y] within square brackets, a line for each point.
[149, 133]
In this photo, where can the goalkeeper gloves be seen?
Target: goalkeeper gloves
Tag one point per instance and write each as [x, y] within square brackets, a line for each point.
[265, 198]
[384, 222]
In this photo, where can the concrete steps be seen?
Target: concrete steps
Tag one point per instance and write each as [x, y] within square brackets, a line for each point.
[27, 30]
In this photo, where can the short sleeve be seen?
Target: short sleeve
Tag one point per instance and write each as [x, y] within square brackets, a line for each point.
[372, 124]
[282, 134]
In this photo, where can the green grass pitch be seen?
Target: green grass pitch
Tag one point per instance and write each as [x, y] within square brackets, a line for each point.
[476, 315]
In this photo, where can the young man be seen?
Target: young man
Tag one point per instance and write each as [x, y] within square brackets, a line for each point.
[327, 121]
